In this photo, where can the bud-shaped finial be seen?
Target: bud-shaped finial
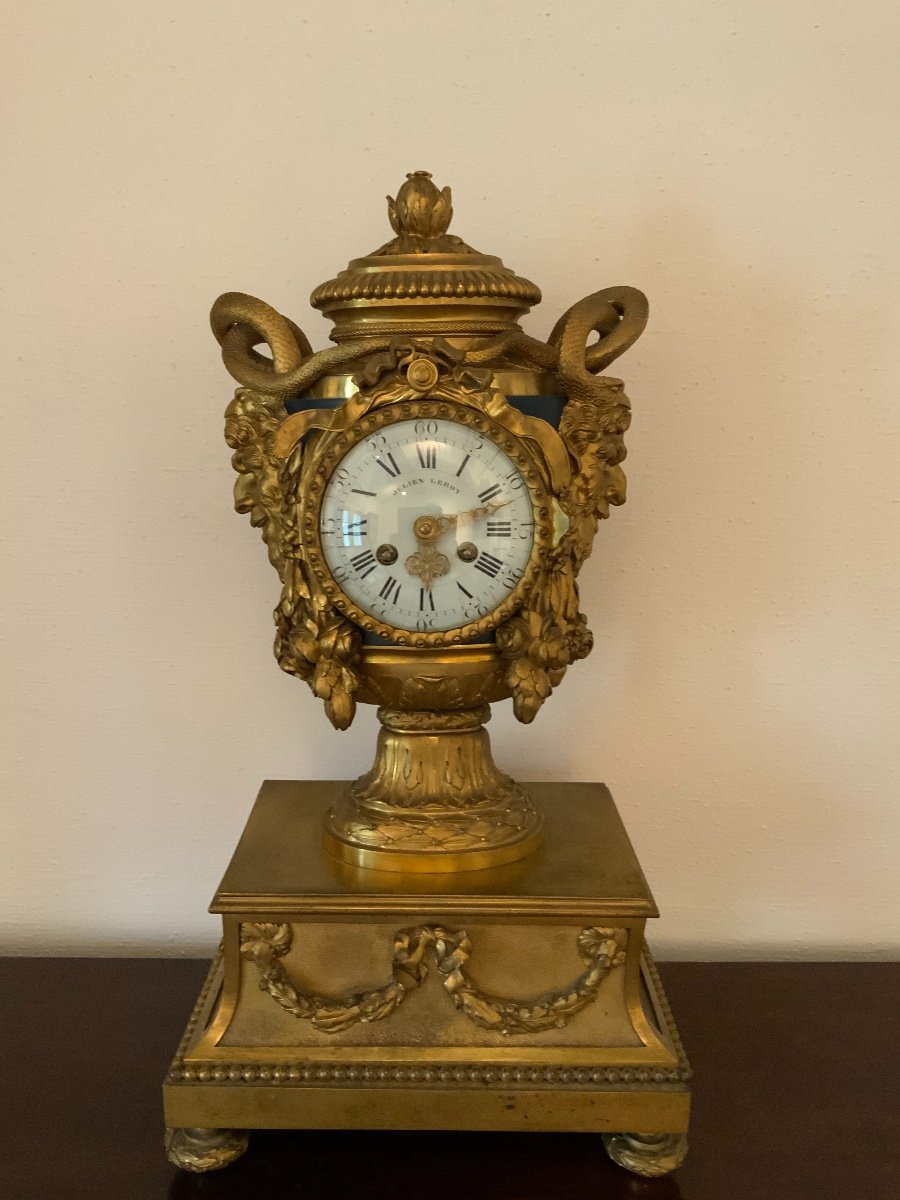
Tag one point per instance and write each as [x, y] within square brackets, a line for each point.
[424, 277]
[420, 210]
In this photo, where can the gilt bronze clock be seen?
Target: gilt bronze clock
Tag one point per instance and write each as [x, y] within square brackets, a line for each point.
[428, 490]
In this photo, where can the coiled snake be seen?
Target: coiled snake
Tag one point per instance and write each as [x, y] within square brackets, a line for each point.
[241, 323]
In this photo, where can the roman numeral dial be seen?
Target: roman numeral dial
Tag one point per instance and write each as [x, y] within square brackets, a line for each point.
[390, 590]
[427, 452]
[426, 526]
[388, 463]
[488, 564]
[364, 564]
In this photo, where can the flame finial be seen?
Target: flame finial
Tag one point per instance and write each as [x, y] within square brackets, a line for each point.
[421, 213]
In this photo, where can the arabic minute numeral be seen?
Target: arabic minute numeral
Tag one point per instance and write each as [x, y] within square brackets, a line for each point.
[475, 610]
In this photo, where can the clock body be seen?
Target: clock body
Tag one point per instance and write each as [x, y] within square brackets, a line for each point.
[428, 490]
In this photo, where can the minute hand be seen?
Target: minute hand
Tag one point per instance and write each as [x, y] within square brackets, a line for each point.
[485, 510]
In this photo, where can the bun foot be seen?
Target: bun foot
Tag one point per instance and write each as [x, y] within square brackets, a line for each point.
[647, 1154]
[201, 1150]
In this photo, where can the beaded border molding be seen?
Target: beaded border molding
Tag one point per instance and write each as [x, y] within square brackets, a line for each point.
[311, 1073]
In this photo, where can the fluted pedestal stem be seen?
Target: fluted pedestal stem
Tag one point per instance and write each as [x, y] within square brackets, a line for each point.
[434, 800]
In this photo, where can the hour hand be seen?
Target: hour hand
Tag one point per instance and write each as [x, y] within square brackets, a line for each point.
[427, 529]
[427, 563]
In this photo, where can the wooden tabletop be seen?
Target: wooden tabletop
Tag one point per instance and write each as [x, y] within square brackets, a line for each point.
[797, 1095]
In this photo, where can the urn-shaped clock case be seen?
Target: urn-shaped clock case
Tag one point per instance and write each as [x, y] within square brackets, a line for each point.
[426, 327]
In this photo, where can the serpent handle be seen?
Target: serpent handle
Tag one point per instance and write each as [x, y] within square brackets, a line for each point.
[240, 323]
[618, 314]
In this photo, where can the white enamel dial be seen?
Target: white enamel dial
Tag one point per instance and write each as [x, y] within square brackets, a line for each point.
[427, 525]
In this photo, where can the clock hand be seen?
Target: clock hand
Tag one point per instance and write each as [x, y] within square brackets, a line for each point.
[484, 510]
[428, 563]
[428, 529]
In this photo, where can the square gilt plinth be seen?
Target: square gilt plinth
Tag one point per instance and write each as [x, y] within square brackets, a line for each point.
[521, 998]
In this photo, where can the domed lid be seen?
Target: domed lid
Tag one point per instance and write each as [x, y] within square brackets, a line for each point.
[425, 280]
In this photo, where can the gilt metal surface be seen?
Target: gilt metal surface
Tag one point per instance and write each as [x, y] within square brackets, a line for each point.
[427, 328]
[457, 950]
[463, 814]
[586, 871]
[649, 1155]
[516, 998]
[415, 950]
[592, 1089]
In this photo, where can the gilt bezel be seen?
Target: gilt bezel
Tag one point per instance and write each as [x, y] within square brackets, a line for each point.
[332, 452]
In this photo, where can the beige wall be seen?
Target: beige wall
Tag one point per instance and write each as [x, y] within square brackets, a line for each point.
[736, 161]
